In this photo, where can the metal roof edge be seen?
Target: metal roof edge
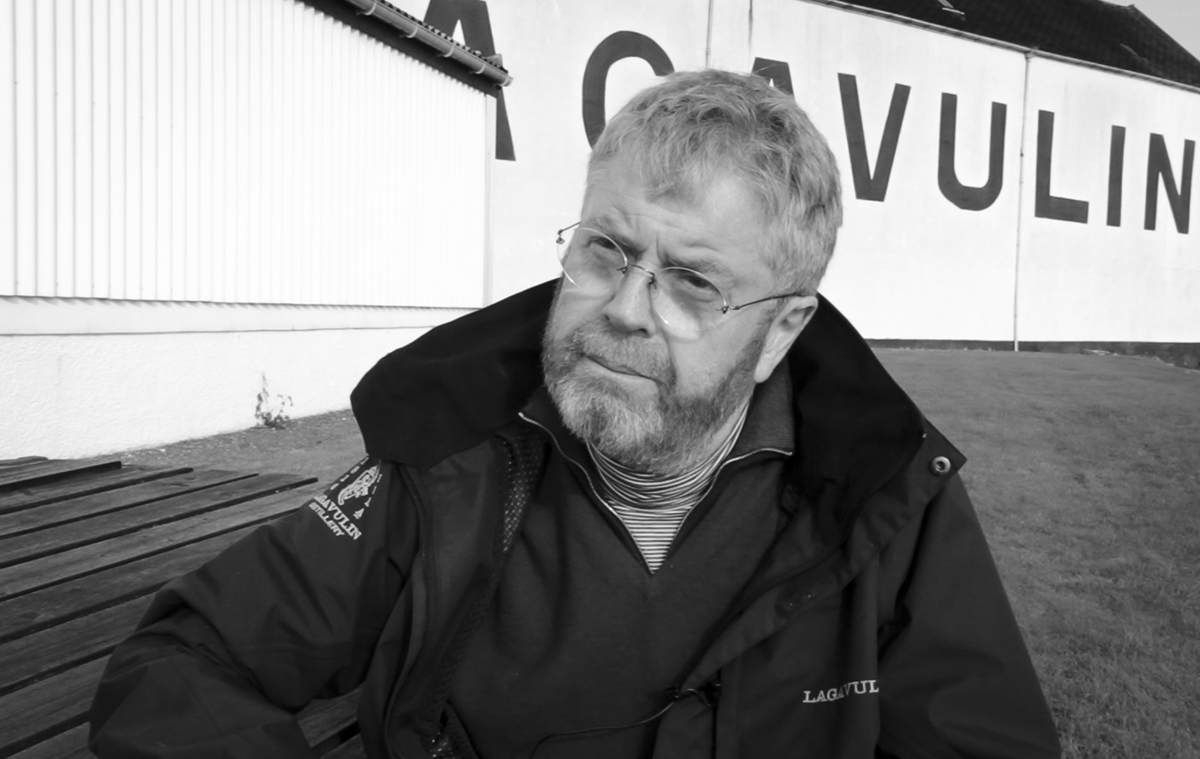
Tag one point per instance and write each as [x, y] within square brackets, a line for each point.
[413, 28]
[1032, 52]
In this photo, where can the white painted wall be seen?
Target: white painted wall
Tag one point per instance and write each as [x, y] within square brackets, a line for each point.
[1093, 280]
[202, 157]
[233, 151]
[85, 394]
[198, 193]
[914, 265]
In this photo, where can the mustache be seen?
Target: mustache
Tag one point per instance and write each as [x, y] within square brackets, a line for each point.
[619, 352]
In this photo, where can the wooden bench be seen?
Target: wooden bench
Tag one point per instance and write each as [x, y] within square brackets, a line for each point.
[82, 549]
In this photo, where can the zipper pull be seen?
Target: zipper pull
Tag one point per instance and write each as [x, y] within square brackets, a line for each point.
[708, 693]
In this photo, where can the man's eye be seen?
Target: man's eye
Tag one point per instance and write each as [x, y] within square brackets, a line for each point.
[602, 245]
[693, 283]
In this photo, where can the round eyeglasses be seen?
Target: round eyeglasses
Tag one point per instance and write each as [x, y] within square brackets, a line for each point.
[684, 300]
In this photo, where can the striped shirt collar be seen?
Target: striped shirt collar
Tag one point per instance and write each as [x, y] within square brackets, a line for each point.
[640, 490]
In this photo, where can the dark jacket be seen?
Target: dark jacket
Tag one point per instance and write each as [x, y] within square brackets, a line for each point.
[877, 625]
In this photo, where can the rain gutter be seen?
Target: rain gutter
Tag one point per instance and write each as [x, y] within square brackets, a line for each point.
[446, 47]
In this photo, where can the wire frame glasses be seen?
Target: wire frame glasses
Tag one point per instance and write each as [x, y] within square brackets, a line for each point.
[684, 300]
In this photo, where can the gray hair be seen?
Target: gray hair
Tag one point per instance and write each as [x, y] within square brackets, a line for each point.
[693, 125]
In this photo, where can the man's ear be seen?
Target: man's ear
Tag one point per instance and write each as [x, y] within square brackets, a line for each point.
[785, 328]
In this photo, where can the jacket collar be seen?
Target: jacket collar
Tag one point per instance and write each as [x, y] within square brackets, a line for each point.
[854, 430]
[461, 382]
[457, 384]
[768, 421]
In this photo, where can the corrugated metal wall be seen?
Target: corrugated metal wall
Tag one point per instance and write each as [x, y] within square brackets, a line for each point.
[249, 151]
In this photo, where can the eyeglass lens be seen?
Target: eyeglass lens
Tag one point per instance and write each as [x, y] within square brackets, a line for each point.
[685, 300]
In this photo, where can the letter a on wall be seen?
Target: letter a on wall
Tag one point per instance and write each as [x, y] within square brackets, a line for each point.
[778, 73]
[445, 16]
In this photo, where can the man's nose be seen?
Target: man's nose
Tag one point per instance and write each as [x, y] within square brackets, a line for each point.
[629, 310]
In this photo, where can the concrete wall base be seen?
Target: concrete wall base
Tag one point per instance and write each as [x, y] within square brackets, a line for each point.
[1186, 355]
[66, 396]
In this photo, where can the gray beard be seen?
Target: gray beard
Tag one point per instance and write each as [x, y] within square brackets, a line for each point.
[667, 435]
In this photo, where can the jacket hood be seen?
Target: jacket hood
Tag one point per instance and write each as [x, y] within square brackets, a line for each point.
[457, 384]
[462, 381]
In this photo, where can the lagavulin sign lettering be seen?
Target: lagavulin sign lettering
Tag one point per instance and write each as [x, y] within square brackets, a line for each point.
[873, 177]
[871, 184]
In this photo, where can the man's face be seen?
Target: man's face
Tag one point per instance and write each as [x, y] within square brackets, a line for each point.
[623, 380]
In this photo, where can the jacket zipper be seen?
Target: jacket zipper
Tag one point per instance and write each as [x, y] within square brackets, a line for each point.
[562, 453]
[769, 582]
[592, 487]
[788, 574]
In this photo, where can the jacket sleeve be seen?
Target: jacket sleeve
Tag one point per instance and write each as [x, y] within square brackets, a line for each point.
[226, 654]
[956, 679]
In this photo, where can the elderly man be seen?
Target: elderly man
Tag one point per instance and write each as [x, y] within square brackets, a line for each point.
[668, 506]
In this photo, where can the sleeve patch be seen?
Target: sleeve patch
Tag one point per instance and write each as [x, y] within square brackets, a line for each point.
[346, 500]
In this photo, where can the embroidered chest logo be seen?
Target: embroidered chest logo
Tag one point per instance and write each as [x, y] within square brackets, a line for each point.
[335, 504]
[363, 485]
[852, 688]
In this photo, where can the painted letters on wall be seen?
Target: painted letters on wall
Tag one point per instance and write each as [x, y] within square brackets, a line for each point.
[954, 229]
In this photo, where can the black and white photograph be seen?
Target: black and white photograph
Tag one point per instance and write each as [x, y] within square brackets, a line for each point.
[551, 379]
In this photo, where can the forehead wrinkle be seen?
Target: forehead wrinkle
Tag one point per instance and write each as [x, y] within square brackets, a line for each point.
[670, 254]
[696, 194]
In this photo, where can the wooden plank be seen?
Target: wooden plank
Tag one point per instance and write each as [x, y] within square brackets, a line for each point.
[84, 485]
[12, 464]
[351, 749]
[57, 604]
[169, 483]
[69, 745]
[49, 706]
[72, 744]
[49, 570]
[69, 644]
[322, 721]
[49, 471]
[166, 503]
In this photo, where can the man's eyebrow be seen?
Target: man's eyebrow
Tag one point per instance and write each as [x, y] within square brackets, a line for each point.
[713, 267]
[605, 223]
[608, 224]
[705, 264]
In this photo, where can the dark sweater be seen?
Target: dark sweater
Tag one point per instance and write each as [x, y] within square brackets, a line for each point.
[581, 635]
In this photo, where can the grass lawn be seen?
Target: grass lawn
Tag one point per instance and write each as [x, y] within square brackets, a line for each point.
[1086, 474]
